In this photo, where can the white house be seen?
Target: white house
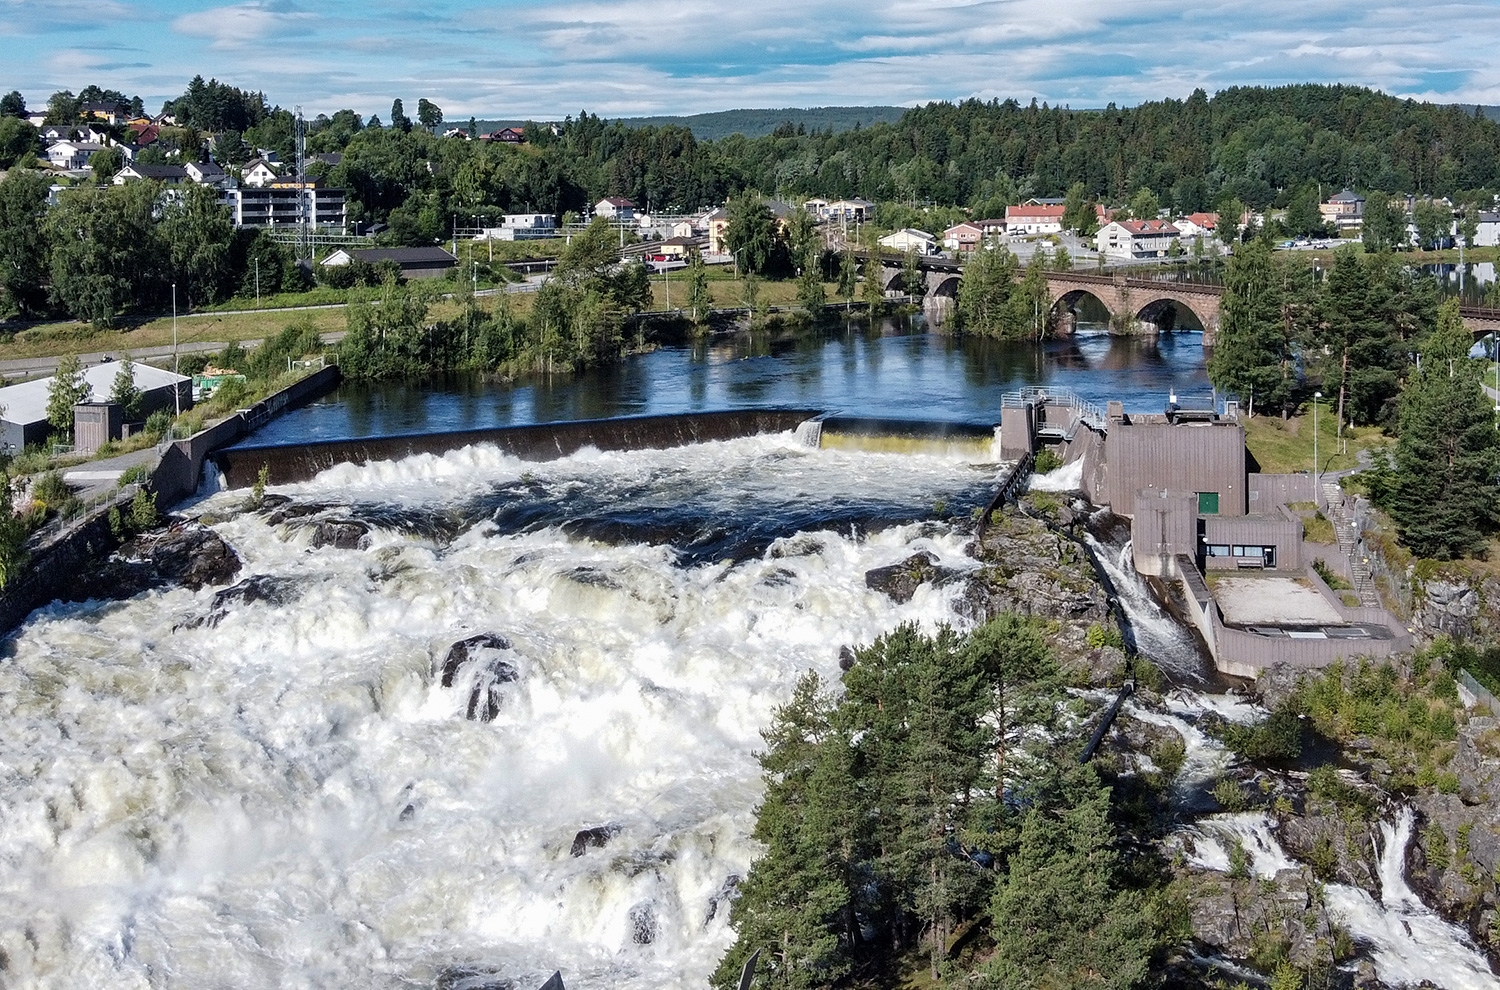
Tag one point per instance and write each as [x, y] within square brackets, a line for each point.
[171, 175]
[206, 173]
[1488, 234]
[72, 154]
[1197, 224]
[909, 239]
[65, 132]
[1136, 239]
[258, 172]
[615, 208]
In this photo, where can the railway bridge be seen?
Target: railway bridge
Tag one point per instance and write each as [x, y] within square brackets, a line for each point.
[1136, 303]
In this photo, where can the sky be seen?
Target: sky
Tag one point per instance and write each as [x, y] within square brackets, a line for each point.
[542, 60]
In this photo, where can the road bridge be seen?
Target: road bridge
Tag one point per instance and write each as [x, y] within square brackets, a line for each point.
[1136, 303]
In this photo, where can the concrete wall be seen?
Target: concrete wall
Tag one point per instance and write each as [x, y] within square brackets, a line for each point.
[240, 465]
[1163, 526]
[1270, 490]
[1183, 457]
[1017, 431]
[55, 562]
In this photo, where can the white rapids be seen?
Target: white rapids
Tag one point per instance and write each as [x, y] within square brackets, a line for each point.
[292, 800]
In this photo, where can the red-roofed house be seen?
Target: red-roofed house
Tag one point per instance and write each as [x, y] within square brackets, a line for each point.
[1197, 224]
[1038, 218]
[1136, 239]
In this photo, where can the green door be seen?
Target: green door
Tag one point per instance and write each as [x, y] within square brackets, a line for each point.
[1208, 503]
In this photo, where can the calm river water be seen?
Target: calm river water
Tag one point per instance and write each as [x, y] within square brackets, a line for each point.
[896, 370]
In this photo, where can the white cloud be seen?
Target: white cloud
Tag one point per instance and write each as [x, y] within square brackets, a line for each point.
[245, 23]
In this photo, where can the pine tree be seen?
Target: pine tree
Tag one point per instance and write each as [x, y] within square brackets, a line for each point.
[1252, 356]
[1443, 494]
[1358, 328]
[811, 295]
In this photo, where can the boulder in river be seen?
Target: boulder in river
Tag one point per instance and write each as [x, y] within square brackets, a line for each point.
[899, 582]
[596, 837]
[341, 534]
[263, 588]
[489, 672]
[193, 556]
[644, 925]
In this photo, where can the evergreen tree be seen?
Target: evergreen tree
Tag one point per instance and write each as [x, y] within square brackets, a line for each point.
[1358, 328]
[1078, 212]
[67, 388]
[399, 120]
[124, 391]
[913, 282]
[1443, 494]
[1252, 357]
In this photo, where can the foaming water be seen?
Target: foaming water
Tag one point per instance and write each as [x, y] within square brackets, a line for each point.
[292, 799]
[1157, 635]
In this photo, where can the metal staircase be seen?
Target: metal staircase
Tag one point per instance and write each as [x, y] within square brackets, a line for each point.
[1348, 539]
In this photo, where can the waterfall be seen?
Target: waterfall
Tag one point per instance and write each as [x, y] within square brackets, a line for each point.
[1156, 634]
[810, 433]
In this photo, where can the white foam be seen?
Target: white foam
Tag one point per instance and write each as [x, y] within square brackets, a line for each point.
[1068, 478]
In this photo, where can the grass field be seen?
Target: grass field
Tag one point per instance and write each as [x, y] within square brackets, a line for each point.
[1286, 447]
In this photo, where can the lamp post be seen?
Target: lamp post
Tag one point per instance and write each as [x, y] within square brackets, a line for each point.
[176, 386]
[1317, 498]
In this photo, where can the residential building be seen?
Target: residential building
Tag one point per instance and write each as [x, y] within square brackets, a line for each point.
[110, 113]
[170, 175]
[206, 173]
[278, 203]
[1488, 234]
[1136, 239]
[1344, 210]
[716, 222]
[1197, 224]
[36, 118]
[462, 133]
[23, 407]
[684, 228]
[72, 154]
[615, 208]
[910, 239]
[417, 262]
[257, 172]
[75, 132]
[817, 207]
[676, 248]
[850, 210]
[1034, 219]
[964, 236]
[992, 228]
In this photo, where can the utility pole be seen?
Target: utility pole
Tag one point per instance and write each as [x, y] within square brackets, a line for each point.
[176, 386]
[1317, 491]
[304, 243]
[257, 283]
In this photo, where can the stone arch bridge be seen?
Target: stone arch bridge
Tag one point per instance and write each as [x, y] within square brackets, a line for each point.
[1135, 303]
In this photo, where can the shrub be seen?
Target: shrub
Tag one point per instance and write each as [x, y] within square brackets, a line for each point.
[143, 510]
[1100, 635]
[51, 491]
[1278, 737]
[1046, 461]
[158, 423]
[1230, 795]
[1435, 845]
[1239, 861]
[134, 475]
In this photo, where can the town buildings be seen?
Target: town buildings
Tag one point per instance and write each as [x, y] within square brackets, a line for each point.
[1136, 240]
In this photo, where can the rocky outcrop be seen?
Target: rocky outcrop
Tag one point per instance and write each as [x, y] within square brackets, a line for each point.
[263, 588]
[341, 534]
[185, 554]
[899, 582]
[1256, 920]
[1033, 569]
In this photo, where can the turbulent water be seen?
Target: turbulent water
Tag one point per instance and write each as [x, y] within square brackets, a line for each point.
[292, 799]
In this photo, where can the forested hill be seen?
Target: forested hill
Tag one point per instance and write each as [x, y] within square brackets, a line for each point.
[760, 123]
[1263, 146]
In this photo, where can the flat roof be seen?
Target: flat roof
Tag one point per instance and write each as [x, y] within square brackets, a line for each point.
[26, 403]
[1273, 601]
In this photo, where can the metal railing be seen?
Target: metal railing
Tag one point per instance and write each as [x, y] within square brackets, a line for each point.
[86, 511]
[1056, 395]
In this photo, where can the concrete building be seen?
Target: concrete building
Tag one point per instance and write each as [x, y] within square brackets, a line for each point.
[1343, 210]
[24, 417]
[278, 203]
[521, 227]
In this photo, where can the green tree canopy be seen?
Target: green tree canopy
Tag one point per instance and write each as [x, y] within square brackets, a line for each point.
[1252, 356]
[67, 388]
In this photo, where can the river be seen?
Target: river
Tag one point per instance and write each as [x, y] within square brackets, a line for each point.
[894, 370]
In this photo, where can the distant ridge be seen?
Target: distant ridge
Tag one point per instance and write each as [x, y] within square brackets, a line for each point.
[758, 123]
[751, 123]
[1493, 113]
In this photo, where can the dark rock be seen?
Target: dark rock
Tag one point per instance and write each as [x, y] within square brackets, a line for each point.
[273, 591]
[472, 978]
[846, 658]
[491, 672]
[287, 509]
[899, 582]
[644, 926]
[594, 838]
[341, 534]
[408, 813]
[193, 557]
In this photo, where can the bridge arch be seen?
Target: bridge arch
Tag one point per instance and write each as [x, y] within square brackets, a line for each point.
[1164, 313]
[944, 286]
[1067, 303]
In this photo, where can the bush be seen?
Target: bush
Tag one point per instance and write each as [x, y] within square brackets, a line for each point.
[1278, 738]
[1230, 795]
[143, 510]
[134, 475]
[1100, 635]
[1046, 461]
[53, 492]
[158, 423]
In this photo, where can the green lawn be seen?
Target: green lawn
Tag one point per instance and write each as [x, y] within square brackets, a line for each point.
[1286, 447]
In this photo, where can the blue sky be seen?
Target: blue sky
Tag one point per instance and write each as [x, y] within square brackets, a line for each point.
[529, 58]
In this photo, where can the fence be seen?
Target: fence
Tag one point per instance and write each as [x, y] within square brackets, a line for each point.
[86, 511]
[1481, 694]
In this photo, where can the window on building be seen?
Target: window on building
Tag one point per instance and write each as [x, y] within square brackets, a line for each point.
[1217, 550]
[1208, 503]
[1267, 555]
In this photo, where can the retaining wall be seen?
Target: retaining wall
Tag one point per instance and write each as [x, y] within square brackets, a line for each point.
[55, 562]
[285, 464]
